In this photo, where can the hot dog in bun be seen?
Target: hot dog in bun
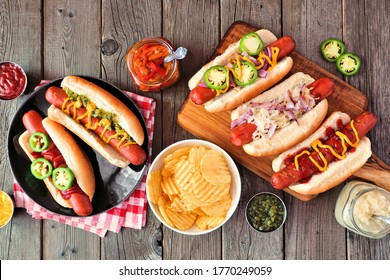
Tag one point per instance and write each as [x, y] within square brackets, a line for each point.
[328, 157]
[282, 116]
[99, 119]
[59, 162]
[247, 68]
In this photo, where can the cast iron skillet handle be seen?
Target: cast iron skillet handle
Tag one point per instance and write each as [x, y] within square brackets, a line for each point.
[376, 171]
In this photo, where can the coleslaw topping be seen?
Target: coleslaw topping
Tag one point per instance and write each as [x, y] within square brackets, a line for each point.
[275, 114]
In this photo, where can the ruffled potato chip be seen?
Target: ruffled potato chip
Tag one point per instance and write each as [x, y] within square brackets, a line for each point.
[181, 220]
[196, 155]
[153, 185]
[214, 168]
[208, 222]
[219, 208]
[162, 206]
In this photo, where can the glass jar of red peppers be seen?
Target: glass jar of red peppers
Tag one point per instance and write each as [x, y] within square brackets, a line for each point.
[145, 61]
[13, 80]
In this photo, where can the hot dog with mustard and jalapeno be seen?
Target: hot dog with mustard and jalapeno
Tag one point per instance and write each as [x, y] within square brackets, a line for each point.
[59, 162]
[246, 69]
[328, 157]
[282, 116]
[99, 119]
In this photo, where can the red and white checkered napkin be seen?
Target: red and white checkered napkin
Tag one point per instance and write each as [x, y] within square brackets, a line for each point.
[131, 213]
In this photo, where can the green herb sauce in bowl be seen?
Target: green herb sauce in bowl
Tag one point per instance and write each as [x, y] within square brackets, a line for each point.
[265, 212]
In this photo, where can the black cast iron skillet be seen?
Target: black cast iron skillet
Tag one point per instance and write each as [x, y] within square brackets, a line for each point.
[113, 184]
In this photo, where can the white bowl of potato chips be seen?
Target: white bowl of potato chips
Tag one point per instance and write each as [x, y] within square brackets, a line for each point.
[193, 187]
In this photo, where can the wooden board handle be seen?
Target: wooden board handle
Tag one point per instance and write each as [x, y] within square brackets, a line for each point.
[376, 171]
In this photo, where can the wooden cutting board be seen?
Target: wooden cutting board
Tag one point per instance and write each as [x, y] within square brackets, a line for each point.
[215, 127]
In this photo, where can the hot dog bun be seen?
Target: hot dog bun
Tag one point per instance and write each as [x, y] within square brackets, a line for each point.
[338, 171]
[74, 157]
[286, 137]
[233, 97]
[104, 100]
[88, 136]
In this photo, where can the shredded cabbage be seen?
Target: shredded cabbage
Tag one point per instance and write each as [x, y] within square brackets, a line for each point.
[273, 115]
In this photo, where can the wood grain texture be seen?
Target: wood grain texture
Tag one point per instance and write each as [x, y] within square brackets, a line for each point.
[134, 244]
[18, 21]
[366, 29]
[124, 24]
[312, 226]
[71, 38]
[71, 46]
[196, 19]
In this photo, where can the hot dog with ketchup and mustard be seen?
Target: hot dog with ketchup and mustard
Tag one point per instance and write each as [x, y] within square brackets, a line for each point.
[246, 69]
[326, 158]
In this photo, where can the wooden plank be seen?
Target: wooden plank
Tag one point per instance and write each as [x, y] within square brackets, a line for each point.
[133, 244]
[240, 241]
[184, 26]
[19, 20]
[124, 24]
[366, 34]
[312, 226]
[71, 46]
[71, 38]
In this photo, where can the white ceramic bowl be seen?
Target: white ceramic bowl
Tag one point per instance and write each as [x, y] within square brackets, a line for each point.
[235, 188]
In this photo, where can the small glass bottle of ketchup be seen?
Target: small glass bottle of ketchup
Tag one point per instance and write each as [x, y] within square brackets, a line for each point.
[146, 65]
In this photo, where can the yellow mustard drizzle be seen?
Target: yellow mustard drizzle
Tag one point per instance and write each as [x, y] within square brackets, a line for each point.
[317, 144]
[74, 105]
[121, 134]
[106, 123]
[271, 61]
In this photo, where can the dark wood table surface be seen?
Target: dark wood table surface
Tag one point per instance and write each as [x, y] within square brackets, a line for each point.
[50, 39]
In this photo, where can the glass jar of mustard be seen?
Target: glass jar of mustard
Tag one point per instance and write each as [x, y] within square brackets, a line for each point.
[356, 206]
[146, 65]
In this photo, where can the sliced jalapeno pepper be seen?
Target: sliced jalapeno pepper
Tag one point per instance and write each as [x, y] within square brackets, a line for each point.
[348, 64]
[331, 49]
[251, 43]
[41, 168]
[248, 73]
[63, 178]
[216, 77]
[38, 141]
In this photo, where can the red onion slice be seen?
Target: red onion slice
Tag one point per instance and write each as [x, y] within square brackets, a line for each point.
[263, 73]
[254, 60]
[243, 118]
[303, 104]
[271, 131]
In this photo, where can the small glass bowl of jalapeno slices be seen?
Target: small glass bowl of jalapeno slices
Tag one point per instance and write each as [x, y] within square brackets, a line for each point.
[265, 212]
